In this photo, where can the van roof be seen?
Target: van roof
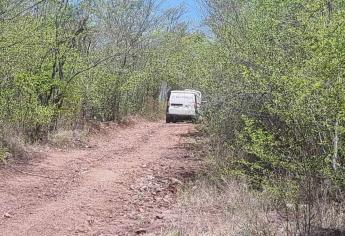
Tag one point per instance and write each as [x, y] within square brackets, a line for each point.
[183, 98]
[179, 91]
[183, 94]
[192, 90]
[186, 91]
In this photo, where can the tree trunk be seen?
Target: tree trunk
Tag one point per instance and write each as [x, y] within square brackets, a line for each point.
[335, 146]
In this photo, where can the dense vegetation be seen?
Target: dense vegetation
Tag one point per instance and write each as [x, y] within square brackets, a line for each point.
[277, 111]
[272, 72]
[63, 62]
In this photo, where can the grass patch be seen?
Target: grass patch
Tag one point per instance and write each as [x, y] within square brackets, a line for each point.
[206, 209]
[68, 138]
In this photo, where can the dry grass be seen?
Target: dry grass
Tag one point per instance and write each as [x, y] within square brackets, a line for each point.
[13, 146]
[215, 205]
[68, 138]
[206, 210]
[79, 137]
[233, 209]
[153, 110]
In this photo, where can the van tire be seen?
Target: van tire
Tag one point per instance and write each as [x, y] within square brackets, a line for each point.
[167, 119]
[174, 119]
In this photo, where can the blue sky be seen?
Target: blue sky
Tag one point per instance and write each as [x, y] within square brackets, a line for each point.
[193, 10]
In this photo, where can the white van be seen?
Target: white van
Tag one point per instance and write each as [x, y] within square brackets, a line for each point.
[182, 105]
[198, 96]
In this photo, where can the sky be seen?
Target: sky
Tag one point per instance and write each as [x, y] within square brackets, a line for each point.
[193, 10]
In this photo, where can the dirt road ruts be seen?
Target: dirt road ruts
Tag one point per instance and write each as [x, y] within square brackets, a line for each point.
[125, 184]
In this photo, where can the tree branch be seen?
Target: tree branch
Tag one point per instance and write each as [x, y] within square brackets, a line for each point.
[93, 66]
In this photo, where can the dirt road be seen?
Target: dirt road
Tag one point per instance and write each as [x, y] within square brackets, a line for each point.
[125, 184]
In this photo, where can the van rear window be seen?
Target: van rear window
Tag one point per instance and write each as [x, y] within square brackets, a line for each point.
[182, 96]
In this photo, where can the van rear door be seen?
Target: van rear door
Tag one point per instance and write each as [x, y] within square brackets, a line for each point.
[182, 104]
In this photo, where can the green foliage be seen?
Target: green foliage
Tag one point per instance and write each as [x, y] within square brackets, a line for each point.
[64, 62]
[3, 152]
[279, 112]
[272, 72]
